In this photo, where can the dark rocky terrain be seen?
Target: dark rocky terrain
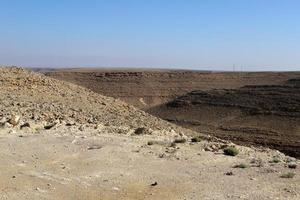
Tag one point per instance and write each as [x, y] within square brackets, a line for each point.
[147, 88]
[266, 115]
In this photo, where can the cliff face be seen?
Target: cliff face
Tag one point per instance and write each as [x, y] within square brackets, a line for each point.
[145, 89]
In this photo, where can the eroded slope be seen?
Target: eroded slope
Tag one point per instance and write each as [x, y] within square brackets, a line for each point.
[266, 115]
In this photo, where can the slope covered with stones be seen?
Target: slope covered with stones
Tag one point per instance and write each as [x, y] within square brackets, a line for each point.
[40, 99]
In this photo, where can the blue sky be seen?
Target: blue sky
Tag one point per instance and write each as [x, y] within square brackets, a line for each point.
[191, 34]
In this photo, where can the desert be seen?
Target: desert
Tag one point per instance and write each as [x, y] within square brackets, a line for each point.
[63, 141]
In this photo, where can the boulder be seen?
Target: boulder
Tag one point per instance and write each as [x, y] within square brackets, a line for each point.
[14, 120]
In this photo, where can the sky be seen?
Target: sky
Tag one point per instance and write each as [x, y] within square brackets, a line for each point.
[248, 35]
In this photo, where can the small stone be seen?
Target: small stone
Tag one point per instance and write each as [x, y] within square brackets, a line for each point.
[3, 121]
[81, 128]
[6, 125]
[26, 124]
[292, 166]
[140, 131]
[49, 126]
[12, 132]
[214, 147]
[208, 149]
[229, 173]
[93, 147]
[154, 184]
[150, 143]
[70, 123]
[162, 155]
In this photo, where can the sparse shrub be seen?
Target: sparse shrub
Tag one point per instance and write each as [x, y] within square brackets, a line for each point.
[231, 151]
[242, 166]
[292, 166]
[288, 175]
[275, 160]
[257, 162]
[196, 139]
[180, 140]
[173, 144]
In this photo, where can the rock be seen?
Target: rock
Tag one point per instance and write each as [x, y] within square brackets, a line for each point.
[140, 131]
[154, 184]
[208, 148]
[81, 128]
[229, 173]
[214, 147]
[70, 123]
[92, 147]
[14, 120]
[162, 155]
[5, 125]
[292, 166]
[196, 139]
[3, 120]
[49, 126]
[12, 132]
[26, 124]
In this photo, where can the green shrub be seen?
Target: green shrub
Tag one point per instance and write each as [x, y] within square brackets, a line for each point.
[231, 151]
[180, 140]
[242, 166]
[275, 160]
[288, 175]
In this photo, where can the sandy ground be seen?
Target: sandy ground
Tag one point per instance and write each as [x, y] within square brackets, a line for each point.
[88, 165]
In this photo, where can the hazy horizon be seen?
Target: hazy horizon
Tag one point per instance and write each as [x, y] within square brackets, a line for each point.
[197, 35]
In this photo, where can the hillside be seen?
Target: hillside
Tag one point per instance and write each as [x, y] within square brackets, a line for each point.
[61, 141]
[44, 100]
[145, 88]
[266, 115]
[251, 108]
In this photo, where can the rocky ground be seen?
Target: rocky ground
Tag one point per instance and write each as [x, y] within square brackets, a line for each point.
[266, 115]
[61, 141]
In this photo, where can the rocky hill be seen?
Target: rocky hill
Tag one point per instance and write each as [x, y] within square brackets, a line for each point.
[148, 88]
[39, 99]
